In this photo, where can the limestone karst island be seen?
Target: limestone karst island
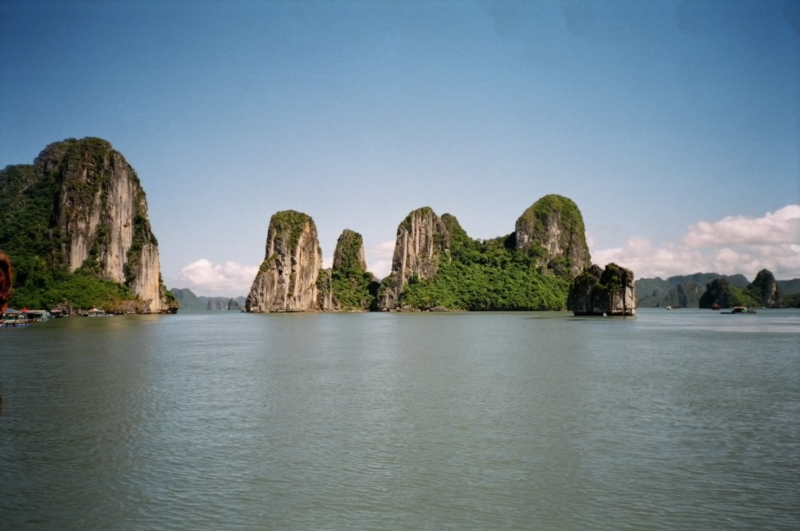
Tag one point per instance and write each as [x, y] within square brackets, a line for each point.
[75, 226]
[438, 267]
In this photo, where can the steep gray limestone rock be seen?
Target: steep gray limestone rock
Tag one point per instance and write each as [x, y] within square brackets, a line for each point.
[102, 217]
[287, 279]
[420, 242]
[552, 229]
[325, 298]
[603, 292]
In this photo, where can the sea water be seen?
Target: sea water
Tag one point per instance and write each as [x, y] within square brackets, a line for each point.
[670, 420]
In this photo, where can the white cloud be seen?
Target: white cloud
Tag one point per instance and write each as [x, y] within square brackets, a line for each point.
[206, 278]
[379, 258]
[327, 261]
[779, 227]
[735, 244]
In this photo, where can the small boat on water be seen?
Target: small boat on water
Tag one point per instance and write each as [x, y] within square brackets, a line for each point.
[716, 306]
[739, 310]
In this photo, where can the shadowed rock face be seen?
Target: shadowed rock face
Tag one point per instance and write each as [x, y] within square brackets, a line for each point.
[596, 292]
[348, 286]
[420, 241]
[5, 282]
[287, 279]
[553, 229]
[764, 289]
[718, 292]
[325, 298]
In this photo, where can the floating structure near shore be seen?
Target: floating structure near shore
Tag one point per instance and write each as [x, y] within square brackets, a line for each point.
[15, 318]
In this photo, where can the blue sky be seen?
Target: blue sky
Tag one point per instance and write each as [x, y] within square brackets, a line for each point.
[653, 116]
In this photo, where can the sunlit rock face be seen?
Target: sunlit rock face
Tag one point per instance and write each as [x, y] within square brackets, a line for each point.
[421, 238]
[287, 278]
[552, 228]
[101, 214]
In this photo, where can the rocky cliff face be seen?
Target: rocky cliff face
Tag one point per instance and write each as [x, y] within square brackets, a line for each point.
[349, 253]
[718, 292]
[287, 279]
[352, 287]
[552, 228]
[764, 289]
[603, 292]
[436, 263]
[325, 299]
[100, 212]
[419, 244]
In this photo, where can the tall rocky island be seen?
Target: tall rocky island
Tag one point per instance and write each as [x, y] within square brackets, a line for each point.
[610, 291]
[763, 292]
[422, 239]
[437, 266]
[76, 228]
[291, 279]
[348, 286]
[287, 278]
[552, 229]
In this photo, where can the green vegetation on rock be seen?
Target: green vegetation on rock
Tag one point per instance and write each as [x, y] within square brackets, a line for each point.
[538, 216]
[719, 291]
[763, 292]
[29, 236]
[486, 275]
[552, 231]
[59, 190]
[291, 222]
[354, 288]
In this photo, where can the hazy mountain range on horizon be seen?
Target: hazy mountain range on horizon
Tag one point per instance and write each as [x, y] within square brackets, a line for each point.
[686, 290]
[190, 301]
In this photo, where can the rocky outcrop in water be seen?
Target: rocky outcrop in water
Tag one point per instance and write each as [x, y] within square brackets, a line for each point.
[603, 292]
[764, 289]
[96, 215]
[718, 293]
[421, 239]
[352, 287]
[436, 264]
[102, 211]
[552, 228]
[287, 278]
